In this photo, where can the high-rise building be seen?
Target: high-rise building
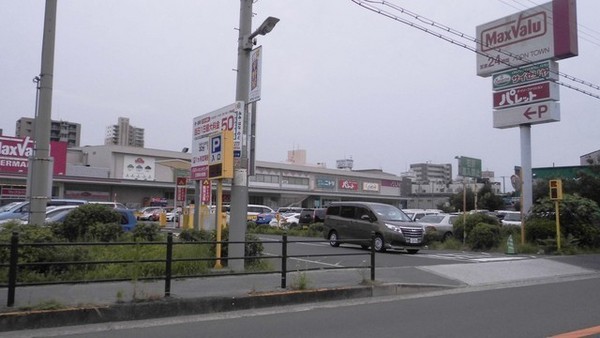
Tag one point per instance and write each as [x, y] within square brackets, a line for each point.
[430, 172]
[123, 134]
[62, 131]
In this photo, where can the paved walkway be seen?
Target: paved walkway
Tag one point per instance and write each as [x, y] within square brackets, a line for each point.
[446, 275]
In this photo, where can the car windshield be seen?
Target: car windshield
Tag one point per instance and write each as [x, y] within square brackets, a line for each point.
[390, 213]
[512, 217]
[431, 219]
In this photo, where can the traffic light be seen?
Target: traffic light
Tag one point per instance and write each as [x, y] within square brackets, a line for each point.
[556, 190]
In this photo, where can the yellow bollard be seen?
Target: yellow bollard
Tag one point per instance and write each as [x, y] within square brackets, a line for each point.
[162, 219]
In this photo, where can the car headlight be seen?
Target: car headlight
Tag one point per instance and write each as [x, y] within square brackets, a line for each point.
[393, 228]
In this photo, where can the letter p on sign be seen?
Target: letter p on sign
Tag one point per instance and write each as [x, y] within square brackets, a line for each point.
[216, 144]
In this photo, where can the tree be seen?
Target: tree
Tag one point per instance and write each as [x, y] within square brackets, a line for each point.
[487, 200]
[456, 200]
[579, 217]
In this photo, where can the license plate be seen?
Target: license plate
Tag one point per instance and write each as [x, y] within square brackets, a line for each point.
[414, 240]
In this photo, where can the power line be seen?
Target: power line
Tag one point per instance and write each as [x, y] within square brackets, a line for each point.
[368, 4]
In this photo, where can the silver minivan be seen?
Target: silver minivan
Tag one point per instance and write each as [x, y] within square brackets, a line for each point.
[353, 222]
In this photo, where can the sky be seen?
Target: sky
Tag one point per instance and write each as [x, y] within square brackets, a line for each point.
[338, 81]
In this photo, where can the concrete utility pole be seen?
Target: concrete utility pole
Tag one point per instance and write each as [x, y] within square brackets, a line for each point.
[39, 185]
[239, 185]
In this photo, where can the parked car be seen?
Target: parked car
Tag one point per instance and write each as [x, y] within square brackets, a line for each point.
[170, 215]
[114, 205]
[253, 211]
[511, 218]
[286, 219]
[53, 214]
[58, 214]
[417, 214]
[310, 215]
[440, 225]
[144, 214]
[21, 209]
[348, 222]
[265, 218]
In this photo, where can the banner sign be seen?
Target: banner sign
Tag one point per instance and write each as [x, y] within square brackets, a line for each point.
[15, 153]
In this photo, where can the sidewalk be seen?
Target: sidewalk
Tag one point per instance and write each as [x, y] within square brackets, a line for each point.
[102, 302]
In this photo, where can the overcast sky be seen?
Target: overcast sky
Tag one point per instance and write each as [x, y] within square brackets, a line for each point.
[338, 81]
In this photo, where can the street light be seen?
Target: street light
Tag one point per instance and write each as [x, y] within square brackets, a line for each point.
[239, 184]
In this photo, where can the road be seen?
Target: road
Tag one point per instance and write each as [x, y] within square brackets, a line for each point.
[388, 259]
[542, 310]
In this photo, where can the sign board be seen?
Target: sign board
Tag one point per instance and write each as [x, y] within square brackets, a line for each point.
[182, 181]
[205, 192]
[228, 118]
[469, 167]
[530, 93]
[370, 186]
[348, 185]
[255, 74]
[220, 162]
[15, 153]
[548, 31]
[547, 70]
[535, 113]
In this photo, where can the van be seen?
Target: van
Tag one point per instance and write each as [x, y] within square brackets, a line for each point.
[310, 215]
[354, 222]
[21, 209]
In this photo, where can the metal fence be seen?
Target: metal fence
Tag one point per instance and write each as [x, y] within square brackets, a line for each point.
[16, 248]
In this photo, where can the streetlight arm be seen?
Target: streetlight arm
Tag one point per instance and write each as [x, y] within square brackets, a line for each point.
[265, 28]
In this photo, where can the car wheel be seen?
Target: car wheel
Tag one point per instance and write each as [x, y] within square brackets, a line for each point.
[412, 251]
[333, 237]
[379, 244]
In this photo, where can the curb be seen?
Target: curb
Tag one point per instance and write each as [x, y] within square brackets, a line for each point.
[171, 307]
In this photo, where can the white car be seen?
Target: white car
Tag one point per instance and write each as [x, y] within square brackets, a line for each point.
[53, 214]
[511, 218]
[441, 225]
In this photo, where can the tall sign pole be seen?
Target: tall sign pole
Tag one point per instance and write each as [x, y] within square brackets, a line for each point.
[519, 52]
[40, 174]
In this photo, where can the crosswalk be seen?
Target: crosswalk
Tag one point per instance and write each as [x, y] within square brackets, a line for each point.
[473, 257]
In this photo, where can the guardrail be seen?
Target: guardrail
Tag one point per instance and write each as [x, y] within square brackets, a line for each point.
[14, 266]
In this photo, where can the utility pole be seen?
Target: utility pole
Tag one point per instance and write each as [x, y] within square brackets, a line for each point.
[39, 179]
[239, 184]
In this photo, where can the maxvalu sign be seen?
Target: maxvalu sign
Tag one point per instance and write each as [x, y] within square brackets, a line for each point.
[548, 31]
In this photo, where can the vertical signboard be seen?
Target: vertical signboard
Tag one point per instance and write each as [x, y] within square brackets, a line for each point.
[255, 74]
[228, 118]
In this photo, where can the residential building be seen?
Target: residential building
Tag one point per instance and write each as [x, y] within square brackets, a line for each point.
[124, 134]
[430, 172]
[60, 131]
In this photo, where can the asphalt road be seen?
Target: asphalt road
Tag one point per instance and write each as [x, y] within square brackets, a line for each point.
[542, 310]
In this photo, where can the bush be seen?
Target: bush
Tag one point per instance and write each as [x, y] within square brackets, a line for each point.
[104, 232]
[78, 222]
[191, 235]
[471, 221]
[579, 217]
[484, 236]
[149, 232]
[539, 229]
[29, 254]
[250, 249]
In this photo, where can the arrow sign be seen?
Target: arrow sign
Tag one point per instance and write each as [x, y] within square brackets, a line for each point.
[539, 110]
[535, 113]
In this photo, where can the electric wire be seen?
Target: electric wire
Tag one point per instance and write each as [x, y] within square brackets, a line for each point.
[368, 4]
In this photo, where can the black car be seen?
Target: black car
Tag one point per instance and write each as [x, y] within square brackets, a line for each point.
[312, 215]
